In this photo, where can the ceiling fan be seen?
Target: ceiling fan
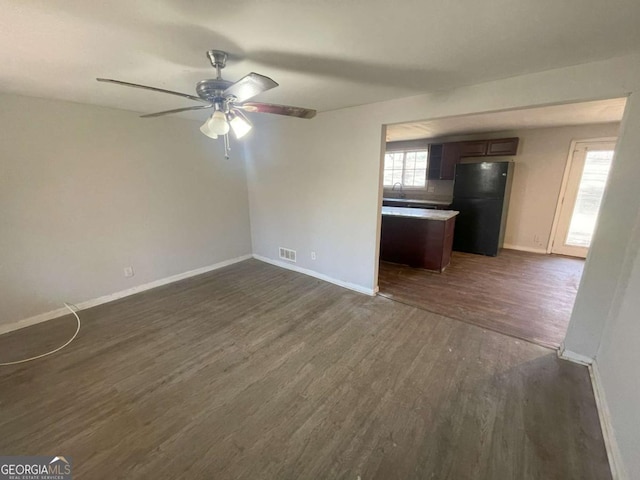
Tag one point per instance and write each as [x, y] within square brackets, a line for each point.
[228, 99]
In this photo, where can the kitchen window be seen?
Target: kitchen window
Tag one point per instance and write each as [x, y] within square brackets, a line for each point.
[409, 168]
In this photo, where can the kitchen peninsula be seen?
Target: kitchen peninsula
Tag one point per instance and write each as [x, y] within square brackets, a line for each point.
[417, 237]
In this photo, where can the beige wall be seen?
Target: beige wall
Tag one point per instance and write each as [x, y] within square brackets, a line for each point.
[86, 191]
[616, 362]
[540, 163]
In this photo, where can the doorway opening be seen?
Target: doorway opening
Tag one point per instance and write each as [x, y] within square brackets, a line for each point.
[473, 232]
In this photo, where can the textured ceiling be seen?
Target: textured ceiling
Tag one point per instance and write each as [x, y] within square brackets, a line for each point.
[326, 54]
[602, 111]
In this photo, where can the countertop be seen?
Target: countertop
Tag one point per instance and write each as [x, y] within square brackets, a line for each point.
[414, 200]
[419, 213]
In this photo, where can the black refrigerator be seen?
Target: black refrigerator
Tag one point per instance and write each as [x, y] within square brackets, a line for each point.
[481, 195]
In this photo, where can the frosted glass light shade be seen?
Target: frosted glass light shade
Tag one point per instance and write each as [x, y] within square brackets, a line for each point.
[207, 131]
[218, 123]
[240, 125]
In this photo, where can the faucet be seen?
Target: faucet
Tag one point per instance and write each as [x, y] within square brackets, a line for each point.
[402, 194]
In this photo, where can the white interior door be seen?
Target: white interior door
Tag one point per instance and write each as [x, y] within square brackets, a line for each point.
[588, 172]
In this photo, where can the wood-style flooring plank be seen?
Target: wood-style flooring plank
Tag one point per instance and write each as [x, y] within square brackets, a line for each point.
[525, 295]
[255, 372]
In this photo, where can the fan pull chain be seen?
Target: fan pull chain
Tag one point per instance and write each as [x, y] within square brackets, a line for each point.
[227, 147]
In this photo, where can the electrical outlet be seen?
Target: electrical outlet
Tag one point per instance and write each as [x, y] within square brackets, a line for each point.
[431, 189]
[128, 272]
[313, 255]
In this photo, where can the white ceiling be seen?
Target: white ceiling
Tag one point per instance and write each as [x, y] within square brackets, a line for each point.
[326, 54]
[601, 111]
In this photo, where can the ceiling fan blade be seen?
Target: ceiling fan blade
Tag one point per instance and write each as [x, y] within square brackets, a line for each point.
[249, 86]
[299, 112]
[154, 89]
[177, 110]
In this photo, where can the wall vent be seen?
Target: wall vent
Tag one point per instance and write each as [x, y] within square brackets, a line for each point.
[287, 254]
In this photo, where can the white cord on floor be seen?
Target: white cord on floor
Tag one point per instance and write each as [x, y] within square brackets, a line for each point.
[52, 351]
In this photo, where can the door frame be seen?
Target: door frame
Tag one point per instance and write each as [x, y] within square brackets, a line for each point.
[565, 181]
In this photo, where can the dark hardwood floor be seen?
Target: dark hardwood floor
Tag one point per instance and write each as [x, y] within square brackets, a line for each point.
[525, 295]
[255, 372]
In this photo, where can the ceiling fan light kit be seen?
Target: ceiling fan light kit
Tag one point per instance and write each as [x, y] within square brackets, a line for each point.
[207, 131]
[227, 99]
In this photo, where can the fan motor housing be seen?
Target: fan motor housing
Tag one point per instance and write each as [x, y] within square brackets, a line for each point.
[212, 88]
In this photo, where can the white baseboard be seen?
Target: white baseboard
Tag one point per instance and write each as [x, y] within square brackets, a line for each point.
[321, 276]
[574, 357]
[43, 317]
[524, 249]
[27, 322]
[610, 443]
[618, 471]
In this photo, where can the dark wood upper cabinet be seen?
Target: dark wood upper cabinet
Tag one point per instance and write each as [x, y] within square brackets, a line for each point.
[443, 157]
[503, 146]
[450, 156]
[473, 149]
[435, 161]
[442, 161]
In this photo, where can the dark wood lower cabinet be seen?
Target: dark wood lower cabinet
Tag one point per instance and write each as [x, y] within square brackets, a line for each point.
[417, 242]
